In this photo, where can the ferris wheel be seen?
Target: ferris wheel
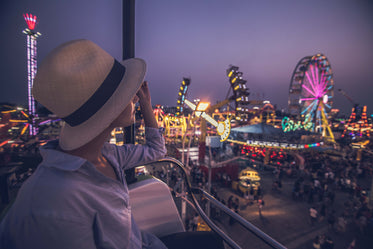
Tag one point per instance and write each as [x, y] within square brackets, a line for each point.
[311, 93]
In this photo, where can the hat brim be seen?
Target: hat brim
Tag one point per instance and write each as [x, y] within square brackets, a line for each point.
[74, 137]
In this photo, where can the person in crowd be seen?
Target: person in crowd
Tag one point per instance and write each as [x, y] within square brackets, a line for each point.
[331, 220]
[313, 215]
[260, 205]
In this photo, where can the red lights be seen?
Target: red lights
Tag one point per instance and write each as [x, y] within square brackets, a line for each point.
[30, 20]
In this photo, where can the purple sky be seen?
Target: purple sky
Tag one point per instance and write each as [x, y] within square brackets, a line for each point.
[200, 39]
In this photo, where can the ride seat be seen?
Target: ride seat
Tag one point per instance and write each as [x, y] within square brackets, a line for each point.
[153, 207]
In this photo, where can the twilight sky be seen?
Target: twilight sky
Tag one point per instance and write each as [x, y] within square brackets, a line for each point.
[201, 38]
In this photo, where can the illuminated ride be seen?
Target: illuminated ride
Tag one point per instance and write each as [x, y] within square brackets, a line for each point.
[31, 65]
[14, 124]
[176, 125]
[357, 126]
[240, 95]
[268, 113]
[311, 93]
[223, 128]
[248, 179]
[182, 95]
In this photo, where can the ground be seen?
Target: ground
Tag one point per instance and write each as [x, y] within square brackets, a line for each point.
[283, 218]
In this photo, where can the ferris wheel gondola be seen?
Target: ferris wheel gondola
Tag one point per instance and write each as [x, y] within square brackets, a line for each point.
[311, 93]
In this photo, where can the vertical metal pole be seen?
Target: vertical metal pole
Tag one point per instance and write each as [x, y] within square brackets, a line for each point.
[129, 52]
[128, 29]
[209, 180]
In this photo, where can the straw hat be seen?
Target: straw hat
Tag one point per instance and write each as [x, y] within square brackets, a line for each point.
[85, 86]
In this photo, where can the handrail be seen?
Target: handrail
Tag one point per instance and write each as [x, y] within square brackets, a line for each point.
[252, 228]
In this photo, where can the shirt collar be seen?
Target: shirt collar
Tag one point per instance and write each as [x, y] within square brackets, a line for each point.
[58, 159]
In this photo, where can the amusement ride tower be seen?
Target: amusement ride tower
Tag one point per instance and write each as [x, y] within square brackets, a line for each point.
[31, 66]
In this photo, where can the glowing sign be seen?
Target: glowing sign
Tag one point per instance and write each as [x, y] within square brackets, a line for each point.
[291, 125]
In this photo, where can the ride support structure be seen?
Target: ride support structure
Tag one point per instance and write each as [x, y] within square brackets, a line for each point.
[32, 36]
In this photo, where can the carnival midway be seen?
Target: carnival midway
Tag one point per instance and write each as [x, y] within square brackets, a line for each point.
[240, 150]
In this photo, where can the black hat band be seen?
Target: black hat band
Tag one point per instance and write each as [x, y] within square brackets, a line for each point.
[99, 98]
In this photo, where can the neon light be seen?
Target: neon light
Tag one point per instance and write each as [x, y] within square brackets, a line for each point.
[4, 143]
[18, 121]
[290, 125]
[27, 116]
[209, 119]
[30, 20]
[268, 144]
[313, 79]
[307, 87]
[8, 111]
[24, 129]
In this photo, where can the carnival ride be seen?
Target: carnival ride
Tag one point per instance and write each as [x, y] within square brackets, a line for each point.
[267, 114]
[357, 126]
[311, 94]
[14, 122]
[32, 36]
[241, 112]
[240, 95]
[223, 128]
[182, 95]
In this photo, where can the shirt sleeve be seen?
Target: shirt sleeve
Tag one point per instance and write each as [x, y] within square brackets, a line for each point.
[130, 155]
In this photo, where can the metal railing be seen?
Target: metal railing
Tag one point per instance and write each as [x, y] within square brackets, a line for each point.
[247, 225]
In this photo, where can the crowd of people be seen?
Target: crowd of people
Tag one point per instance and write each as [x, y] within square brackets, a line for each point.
[320, 180]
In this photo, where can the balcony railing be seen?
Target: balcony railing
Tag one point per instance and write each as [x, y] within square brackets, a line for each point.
[188, 194]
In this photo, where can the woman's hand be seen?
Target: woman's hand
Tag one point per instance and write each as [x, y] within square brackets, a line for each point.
[144, 94]
[146, 106]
